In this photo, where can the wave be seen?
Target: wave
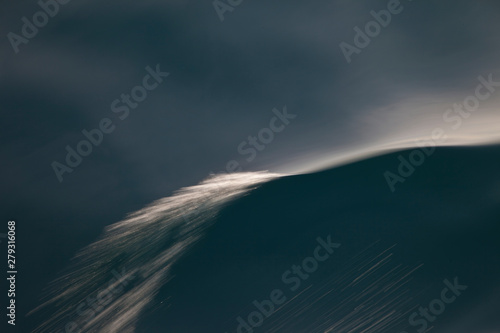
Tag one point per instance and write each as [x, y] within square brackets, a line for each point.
[114, 279]
[444, 216]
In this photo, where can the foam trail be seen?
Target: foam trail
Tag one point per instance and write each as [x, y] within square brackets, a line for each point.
[130, 262]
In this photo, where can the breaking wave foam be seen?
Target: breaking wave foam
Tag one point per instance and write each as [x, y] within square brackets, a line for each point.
[130, 262]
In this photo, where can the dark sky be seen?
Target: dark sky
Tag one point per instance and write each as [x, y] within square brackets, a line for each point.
[225, 78]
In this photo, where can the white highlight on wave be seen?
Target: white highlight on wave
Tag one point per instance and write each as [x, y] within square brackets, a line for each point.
[145, 245]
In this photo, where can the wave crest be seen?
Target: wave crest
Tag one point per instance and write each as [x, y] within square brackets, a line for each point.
[125, 268]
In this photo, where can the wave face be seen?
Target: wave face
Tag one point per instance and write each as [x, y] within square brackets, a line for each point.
[126, 267]
[201, 260]
[397, 250]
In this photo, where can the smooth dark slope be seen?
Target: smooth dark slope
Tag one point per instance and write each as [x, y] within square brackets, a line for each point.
[446, 216]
